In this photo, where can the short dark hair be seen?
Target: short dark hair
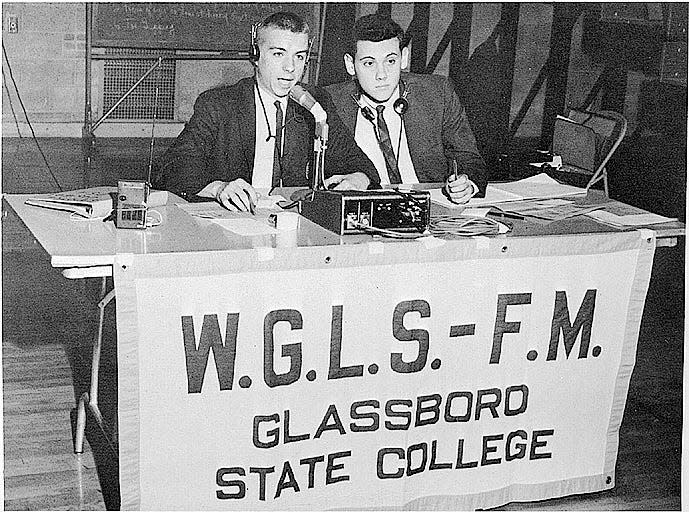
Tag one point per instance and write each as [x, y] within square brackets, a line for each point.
[375, 28]
[285, 21]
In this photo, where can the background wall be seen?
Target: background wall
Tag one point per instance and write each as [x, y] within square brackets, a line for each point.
[46, 56]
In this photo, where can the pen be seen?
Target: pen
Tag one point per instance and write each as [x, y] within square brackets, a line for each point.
[507, 215]
[454, 168]
[252, 208]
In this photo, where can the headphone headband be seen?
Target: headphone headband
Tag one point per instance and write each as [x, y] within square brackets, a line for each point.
[400, 105]
[255, 52]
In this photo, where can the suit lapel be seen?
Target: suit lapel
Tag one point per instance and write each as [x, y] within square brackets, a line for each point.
[296, 139]
[415, 127]
[247, 124]
[348, 108]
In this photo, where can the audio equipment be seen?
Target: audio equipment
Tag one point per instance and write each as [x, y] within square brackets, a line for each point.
[304, 98]
[356, 211]
[365, 110]
[132, 204]
[401, 105]
[254, 52]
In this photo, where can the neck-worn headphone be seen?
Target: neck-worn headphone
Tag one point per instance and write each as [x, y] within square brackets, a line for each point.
[400, 105]
[255, 52]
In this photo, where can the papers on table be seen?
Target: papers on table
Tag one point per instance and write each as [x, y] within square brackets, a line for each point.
[204, 210]
[245, 226]
[621, 221]
[540, 186]
[551, 209]
[493, 196]
[213, 210]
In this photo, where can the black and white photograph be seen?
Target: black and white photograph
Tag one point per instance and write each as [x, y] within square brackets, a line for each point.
[343, 256]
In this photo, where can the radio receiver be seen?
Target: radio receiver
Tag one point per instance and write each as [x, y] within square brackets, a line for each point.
[355, 212]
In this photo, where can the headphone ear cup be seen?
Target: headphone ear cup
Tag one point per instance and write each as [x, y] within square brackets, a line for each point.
[400, 106]
[254, 52]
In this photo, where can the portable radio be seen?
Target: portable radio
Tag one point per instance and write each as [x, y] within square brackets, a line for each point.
[131, 206]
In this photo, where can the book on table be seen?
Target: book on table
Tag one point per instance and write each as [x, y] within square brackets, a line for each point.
[91, 202]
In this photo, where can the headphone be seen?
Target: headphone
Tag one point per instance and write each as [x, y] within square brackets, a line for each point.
[400, 105]
[365, 109]
[255, 52]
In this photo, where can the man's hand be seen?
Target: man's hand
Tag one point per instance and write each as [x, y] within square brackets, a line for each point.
[354, 181]
[459, 190]
[236, 196]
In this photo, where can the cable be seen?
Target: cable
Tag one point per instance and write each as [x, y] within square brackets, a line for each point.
[9, 99]
[33, 134]
[464, 225]
[389, 233]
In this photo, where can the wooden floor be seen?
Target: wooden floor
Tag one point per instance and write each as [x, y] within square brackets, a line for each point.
[48, 324]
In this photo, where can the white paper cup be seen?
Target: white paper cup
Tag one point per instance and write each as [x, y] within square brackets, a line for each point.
[286, 221]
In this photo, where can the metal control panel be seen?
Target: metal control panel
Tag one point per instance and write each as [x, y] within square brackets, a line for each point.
[351, 212]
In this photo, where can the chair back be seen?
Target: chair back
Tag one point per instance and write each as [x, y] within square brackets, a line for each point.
[586, 140]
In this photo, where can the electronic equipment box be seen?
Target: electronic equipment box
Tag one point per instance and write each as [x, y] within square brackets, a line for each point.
[132, 204]
[353, 212]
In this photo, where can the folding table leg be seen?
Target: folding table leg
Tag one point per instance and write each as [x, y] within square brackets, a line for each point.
[90, 398]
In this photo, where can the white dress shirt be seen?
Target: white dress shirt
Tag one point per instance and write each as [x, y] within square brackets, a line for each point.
[264, 150]
[365, 137]
[262, 177]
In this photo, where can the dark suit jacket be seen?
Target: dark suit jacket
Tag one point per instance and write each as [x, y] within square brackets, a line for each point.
[218, 143]
[436, 126]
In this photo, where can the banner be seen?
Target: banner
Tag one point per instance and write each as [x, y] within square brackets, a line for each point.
[459, 376]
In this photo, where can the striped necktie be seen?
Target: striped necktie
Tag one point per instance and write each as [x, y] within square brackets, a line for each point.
[386, 147]
[277, 153]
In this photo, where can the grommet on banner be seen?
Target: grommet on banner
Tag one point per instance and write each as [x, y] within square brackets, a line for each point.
[482, 242]
[264, 253]
[124, 260]
[431, 242]
[376, 247]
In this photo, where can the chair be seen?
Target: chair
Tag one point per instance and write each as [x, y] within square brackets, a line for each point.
[586, 140]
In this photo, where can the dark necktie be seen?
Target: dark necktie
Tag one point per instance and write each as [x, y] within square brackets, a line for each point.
[277, 153]
[386, 147]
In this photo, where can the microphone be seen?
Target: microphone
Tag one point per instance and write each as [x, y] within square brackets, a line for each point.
[302, 96]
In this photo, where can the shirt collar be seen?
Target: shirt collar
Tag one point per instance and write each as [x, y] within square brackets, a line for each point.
[373, 104]
[269, 98]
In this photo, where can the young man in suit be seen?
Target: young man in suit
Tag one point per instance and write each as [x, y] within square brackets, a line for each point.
[253, 135]
[411, 126]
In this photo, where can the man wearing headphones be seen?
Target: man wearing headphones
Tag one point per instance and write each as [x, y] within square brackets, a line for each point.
[411, 126]
[251, 135]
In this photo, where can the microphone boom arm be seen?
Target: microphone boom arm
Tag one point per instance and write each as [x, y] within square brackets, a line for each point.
[320, 144]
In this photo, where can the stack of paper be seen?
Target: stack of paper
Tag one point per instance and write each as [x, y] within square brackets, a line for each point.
[621, 221]
[540, 186]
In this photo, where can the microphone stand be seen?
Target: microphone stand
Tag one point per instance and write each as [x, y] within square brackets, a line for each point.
[320, 144]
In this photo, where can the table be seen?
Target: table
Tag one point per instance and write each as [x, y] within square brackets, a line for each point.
[220, 284]
[94, 244]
